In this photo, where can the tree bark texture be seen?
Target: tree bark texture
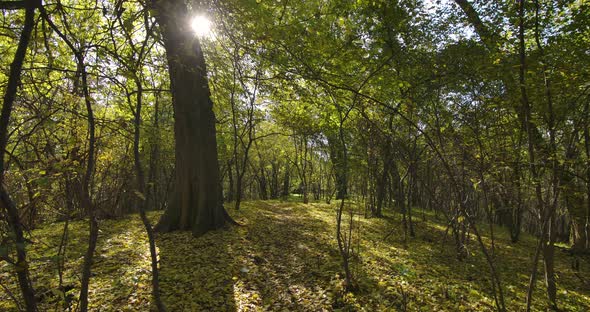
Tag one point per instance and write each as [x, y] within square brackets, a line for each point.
[197, 204]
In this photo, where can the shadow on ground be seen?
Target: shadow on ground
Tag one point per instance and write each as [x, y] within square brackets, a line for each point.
[272, 261]
[196, 273]
[285, 258]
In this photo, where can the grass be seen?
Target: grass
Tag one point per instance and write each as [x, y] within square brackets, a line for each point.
[284, 258]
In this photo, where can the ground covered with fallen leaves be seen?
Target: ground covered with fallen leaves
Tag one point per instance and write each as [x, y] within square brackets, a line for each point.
[284, 257]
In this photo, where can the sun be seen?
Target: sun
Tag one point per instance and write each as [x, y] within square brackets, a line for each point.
[201, 26]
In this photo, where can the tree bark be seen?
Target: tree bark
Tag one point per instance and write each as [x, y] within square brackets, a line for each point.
[230, 175]
[153, 172]
[382, 179]
[274, 180]
[86, 197]
[8, 204]
[198, 203]
[286, 182]
[337, 158]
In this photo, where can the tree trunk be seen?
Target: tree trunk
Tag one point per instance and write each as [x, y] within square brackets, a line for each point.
[88, 204]
[22, 269]
[382, 181]
[86, 196]
[140, 200]
[239, 190]
[549, 265]
[337, 158]
[274, 182]
[286, 182]
[587, 149]
[230, 176]
[153, 173]
[197, 204]
[263, 184]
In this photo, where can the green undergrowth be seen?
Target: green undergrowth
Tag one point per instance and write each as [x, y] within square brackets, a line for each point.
[284, 257]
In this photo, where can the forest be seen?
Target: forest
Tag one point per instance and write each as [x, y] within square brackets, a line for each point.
[284, 155]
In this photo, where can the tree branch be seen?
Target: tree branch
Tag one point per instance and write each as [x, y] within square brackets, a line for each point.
[13, 5]
[484, 33]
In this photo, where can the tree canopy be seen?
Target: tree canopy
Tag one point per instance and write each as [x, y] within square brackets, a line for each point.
[469, 116]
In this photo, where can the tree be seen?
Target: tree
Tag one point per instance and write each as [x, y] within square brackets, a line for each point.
[198, 202]
[21, 264]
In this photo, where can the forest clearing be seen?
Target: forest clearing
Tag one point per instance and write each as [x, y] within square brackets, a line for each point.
[284, 258]
[289, 155]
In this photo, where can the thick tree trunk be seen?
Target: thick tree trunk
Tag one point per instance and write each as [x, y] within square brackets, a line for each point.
[197, 204]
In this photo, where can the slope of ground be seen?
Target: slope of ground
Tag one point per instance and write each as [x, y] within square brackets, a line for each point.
[284, 258]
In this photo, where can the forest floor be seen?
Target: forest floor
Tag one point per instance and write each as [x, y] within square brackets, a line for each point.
[284, 257]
